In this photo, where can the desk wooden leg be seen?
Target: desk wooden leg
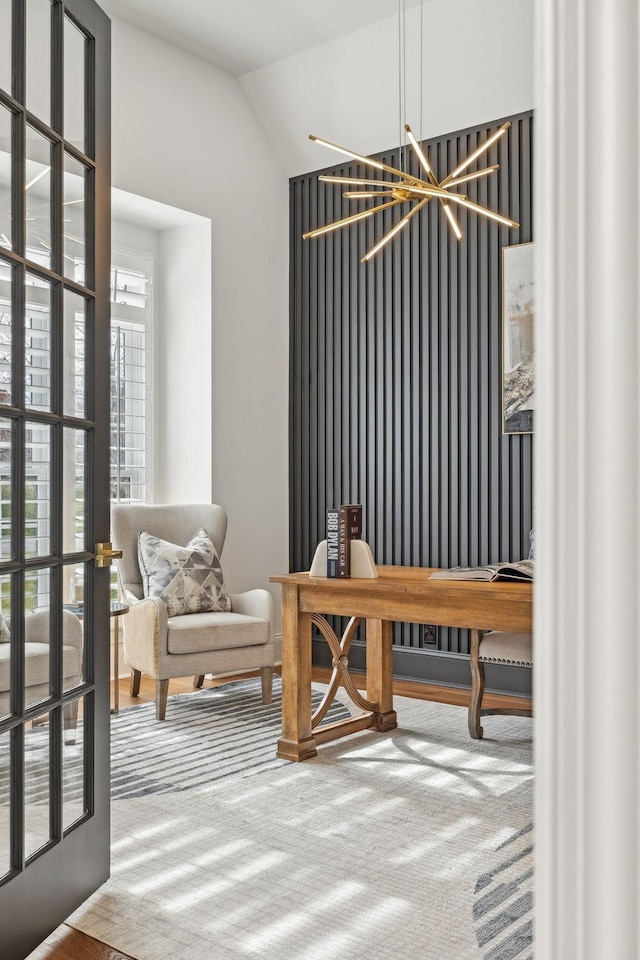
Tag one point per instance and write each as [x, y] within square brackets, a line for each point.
[380, 672]
[477, 687]
[296, 742]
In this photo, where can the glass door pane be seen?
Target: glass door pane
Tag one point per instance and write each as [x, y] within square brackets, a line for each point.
[38, 197]
[74, 348]
[6, 212]
[74, 215]
[73, 514]
[39, 638]
[38, 43]
[37, 794]
[75, 44]
[6, 456]
[6, 647]
[5, 804]
[5, 60]
[6, 332]
[37, 505]
[75, 804]
[38, 343]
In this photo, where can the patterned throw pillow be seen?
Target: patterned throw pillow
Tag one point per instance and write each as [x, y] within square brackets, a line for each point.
[5, 636]
[188, 579]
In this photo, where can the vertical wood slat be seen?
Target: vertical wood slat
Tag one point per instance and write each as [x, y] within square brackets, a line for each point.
[396, 373]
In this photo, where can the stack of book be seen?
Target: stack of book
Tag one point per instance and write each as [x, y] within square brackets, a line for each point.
[344, 524]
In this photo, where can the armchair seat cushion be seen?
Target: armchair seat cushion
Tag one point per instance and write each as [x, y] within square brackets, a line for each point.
[37, 664]
[202, 632]
[502, 647]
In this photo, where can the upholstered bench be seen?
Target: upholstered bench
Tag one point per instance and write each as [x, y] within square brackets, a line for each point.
[497, 646]
[37, 663]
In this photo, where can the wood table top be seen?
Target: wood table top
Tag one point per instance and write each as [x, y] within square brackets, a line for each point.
[407, 579]
[407, 595]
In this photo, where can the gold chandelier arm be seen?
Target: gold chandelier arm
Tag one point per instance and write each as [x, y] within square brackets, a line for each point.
[401, 223]
[473, 176]
[452, 220]
[483, 210]
[369, 161]
[430, 191]
[413, 184]
[476, 153]
[351, 219]
[366, 194]
[357, 181]
[422, 157]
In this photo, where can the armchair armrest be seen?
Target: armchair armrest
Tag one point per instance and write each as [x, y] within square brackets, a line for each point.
[37, 629]
[145, 633]
[256, 603]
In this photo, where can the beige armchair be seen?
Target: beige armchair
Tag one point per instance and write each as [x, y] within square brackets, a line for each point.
[37, 665]
[194, 644]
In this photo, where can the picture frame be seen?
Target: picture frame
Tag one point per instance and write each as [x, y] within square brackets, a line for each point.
[518, 344]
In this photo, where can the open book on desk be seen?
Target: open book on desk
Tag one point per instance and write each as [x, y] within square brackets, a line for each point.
[517, 570]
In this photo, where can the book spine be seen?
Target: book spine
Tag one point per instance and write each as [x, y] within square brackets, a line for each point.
[354, 515]
[333, 515]
[344, 543]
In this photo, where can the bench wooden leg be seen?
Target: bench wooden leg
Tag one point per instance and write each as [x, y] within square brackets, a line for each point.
[70, 721]
[134, 687]
[477, 687]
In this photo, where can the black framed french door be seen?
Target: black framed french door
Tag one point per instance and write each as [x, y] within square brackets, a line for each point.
[54, 462]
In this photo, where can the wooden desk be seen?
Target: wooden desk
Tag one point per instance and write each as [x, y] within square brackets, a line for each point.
[402, 594]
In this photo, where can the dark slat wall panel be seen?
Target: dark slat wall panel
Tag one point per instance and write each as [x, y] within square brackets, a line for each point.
[395, 376]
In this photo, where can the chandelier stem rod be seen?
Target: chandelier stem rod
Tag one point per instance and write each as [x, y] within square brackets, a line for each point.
[401, 58]
[421, 64]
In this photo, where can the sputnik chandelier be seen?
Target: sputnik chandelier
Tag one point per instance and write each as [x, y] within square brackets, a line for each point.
[410, 189]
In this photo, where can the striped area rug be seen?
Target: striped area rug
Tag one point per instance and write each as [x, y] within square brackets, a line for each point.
[412, 844]
[218, 733]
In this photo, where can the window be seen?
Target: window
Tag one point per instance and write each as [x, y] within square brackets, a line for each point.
[130, 378]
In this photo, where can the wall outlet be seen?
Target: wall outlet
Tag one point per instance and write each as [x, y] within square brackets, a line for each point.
[430, 635]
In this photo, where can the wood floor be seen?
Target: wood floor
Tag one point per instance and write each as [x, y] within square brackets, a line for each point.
[65, 943]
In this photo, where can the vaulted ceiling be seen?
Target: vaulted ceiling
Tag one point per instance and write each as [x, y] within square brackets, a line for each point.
[243, 35]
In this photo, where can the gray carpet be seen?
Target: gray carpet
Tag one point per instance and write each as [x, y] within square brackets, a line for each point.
[399, 846]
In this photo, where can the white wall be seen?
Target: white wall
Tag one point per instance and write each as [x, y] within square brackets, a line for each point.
[182, 395]
[127, 236]
[477, 67]
[184, 134]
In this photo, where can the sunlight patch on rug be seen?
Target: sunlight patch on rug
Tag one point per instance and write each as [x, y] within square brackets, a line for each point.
[413, 843]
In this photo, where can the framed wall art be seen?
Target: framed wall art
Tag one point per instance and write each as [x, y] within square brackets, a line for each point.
[518, 354]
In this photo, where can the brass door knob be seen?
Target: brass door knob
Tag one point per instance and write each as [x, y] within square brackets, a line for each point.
[105, 554]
